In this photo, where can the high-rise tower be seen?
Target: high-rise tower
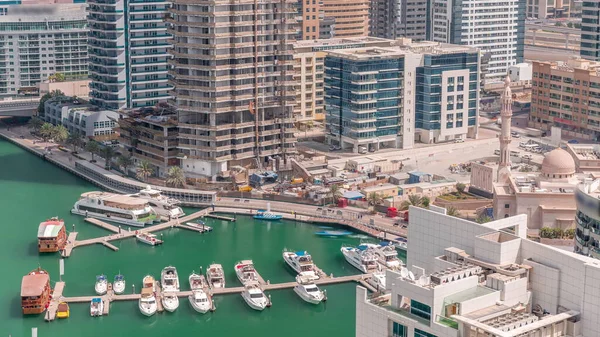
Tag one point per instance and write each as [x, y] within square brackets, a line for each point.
[505, 137]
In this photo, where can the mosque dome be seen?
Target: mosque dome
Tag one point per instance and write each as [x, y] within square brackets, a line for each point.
[558, 162]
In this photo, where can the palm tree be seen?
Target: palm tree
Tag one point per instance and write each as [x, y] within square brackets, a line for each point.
[375, 199]
[108, 153]
[144, 170]
[35, 123]
[93, 148]
[60, 134]
[414, 200]
[175, 177]
[452, 211]
[125, 162]
[75, 140]
[334, 192]
[46, 131]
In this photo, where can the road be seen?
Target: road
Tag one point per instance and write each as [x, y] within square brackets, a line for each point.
[548, 54]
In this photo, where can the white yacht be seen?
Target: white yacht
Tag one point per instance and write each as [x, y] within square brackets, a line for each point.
[197, 281]
[167, 208]
[386, 254]
[147, 302]
[101, 285]
[308, 291]
[96, 307]
[215, 276]
[245, 272]
[302, 263]
[361, 257]
[255, 297]
[170, 302]
[115, 208]
[119, 284]
[149, 282]
[377, 280]
[199, 301]
[169, 280]
[148, 238]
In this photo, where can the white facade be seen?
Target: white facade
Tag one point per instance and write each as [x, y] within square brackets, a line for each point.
[472, 279]
[82, 119]
[521, 72]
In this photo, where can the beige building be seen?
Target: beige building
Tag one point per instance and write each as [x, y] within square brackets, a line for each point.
[309, 15]
[309, 64]
[79, 88]
[546, 9]
[482, 178]
[384, 190]
[566, 95]
[587, 157]
[547, 198]
[351, 16]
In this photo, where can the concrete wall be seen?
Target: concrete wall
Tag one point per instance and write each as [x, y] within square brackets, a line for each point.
[69, 88]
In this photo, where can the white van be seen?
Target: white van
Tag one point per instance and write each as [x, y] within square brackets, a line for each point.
[362, 149]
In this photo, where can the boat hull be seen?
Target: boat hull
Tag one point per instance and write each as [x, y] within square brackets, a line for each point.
[150, 243]
[353, 262]
[170, 303]
[274, 218]
[111, 218]
[203, 309]
[149, 311]
[119, 287]
[252, 304]
[100, 288]
[311, 275]
[305, 297]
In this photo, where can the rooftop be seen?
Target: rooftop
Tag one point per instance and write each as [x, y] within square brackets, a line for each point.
[33, 285]
[44, 13]
[117, 198]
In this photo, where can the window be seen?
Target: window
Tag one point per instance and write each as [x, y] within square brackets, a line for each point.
[421, 333]
[420, 309]
[506, 206]
[399, 330]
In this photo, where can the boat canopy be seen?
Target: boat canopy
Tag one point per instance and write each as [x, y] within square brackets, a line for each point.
[385, 243]
[49, 230]
[362, 247]
[100, 278]
[96, 300]
[301, 253]
[119, 278]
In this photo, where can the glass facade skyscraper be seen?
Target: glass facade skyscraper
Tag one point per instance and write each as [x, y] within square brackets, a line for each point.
[590, 30]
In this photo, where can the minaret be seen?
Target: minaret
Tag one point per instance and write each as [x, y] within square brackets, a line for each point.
[505, 137]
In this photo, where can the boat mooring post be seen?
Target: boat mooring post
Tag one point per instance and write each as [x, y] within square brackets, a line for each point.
[133, 287]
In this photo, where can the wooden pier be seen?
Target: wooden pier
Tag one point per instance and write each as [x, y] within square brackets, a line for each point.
[220, 217]
[103, 224]
[56, 298]
[71, 239]
[200, 230]
[158, 295]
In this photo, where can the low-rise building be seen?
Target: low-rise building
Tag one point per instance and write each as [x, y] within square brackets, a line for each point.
[586, 156]
[469, 279]
[81, 118]
[79, 88]
[548, 9]
[384, 190]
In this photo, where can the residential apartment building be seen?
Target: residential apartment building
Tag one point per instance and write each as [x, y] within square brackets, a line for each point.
[495, 27]
[309, 72]
[37, 41]
[128, 47]
[590, 30]
[566, 95]
[309, 19]
[234, 93]
[392, 19]
[351, 16]
[81, 118]
[548, 9]
[468, 279]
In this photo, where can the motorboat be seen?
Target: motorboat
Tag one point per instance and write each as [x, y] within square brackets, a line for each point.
[302, 263]
[148, 238]
[333, 233]
[96, 307]
[245, 272]
[197, 281]
[149, 282]
[170, 302]
[377, 280]
[169, 279]
[361, 257]
[255, 297]
[167, 208]
[308, 290]
[386, 254]
[63, 310]
[115, 208]
[261, 214]
[215, 276]
[101, 285]
[199, 301]
[147, 302]
[119, 284]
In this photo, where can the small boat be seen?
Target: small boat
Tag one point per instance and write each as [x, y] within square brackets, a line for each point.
[200, 226]
[147, 302]
[245, 272]
[377, 280]
[261, 214]
[255, 297]
[387, 254]
[167, 208]
[215, 276]
[101, 285]
[170, 302]
[302, 263]
[96, 307]
[199, 301]
[333, 233]
[119, 284]
[361, 257]
[63, 310]
[308, 291]
[197, 281]
[169, 279]
[149, 239]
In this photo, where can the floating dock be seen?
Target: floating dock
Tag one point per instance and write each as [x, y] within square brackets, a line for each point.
[158, 295]
[200, 229]
[53, 307]
[71, 239]
[220, 217]
[103, 224]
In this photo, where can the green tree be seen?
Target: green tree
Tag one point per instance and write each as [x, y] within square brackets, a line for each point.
[75, 140]
[46, 131]
[415, 200]
[92, 147]
[483, 218]
[108, 153]
[425, 202]
[335, 192]
[570, 24]
[60, 134]
[374, 198]
[144, 170]
[452, 211]
[125, 162]
[460, 188]
[175, 177]
[47, 96]
[35, 123]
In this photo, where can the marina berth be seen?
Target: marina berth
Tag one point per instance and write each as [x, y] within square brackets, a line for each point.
[169, 279]
[245, 272]
[147, 301]
[302, 263]
[255, 297]
[307, 290]
[170, 302]
[386, 254]
[167, 208]
[361, 257]
[35, 292]
[215, 276]
[199, 301]
[52, 236]
[115, 208]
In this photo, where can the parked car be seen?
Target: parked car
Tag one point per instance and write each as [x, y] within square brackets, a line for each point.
[573, 141]
[526, 156]
[459, 140]
[497, 152]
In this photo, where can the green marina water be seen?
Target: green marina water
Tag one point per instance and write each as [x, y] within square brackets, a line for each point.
[32, 190]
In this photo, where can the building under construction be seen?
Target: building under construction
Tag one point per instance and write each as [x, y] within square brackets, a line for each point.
[233, 72]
